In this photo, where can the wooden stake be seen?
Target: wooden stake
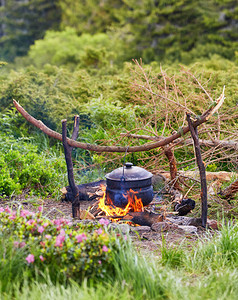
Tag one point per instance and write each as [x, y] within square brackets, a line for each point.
[69, 163]
[202, 170]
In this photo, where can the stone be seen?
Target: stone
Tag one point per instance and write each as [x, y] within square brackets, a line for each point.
[141, 229]
[212, 224]
[158, 182]
[160, 226]
[188, 229]
[124, 228]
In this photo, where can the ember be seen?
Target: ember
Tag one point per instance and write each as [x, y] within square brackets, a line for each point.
[134, 205]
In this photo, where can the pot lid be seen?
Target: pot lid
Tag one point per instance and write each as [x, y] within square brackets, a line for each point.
[131, 173]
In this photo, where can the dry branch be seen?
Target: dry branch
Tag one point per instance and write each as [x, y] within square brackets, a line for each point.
[207, 143]
[39, 124]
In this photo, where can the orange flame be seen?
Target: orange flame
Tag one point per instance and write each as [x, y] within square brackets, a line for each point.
[134, 204]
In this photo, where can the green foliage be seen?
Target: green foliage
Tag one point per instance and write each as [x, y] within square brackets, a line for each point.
[205, 268]
[222, 251]
[47, 93]
[24, 168]
[111, 113]
[67, 48]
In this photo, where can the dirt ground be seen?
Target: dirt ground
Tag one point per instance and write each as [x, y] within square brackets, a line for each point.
[144, 238]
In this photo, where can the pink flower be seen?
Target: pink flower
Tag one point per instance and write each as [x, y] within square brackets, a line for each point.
[16, 244]
[30, 258]
[56, 222]
[41, 258]
[22, 244]
[104, 248]
[81, 237]
[62, 232]
[40, 208]
[99, 262]
[41, 229]
[19, 245]
[63, 221]
[8, 210]
[24, 213]
[12, 216]
[125, 237]
[42, 244]
[104, 222]
[48, 236]
[45, 225]
[99, 231]
[1, 209]
[59, 240]
[30, 222]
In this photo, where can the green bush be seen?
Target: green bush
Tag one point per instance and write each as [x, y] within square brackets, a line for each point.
[22, 167]
[67, 48]
[66, 251]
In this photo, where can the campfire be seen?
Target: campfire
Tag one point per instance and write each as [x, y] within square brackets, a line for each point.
[114, 213]
[134, 213]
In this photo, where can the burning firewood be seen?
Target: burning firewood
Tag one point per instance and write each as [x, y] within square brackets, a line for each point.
[143, 218]
[86, 215]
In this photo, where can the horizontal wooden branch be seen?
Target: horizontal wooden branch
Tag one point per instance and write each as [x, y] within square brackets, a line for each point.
[97, 148]
[208, 143]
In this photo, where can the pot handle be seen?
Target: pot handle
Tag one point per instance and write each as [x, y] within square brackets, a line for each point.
[123, 170]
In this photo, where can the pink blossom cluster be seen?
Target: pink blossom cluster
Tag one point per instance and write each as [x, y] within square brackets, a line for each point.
[34, 223]
[19, 244]
[30, 258]
[99, 231]
[25, 213]
[104, 222]
[60, 239]
[81, 237]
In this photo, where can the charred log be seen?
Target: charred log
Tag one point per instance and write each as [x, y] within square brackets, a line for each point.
[86, 190]
[143, 218]
[184, 207]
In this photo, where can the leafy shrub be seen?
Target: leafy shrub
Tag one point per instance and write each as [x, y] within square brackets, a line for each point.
[22, 167]
[67, 48]
[111, 113]
[67, 251]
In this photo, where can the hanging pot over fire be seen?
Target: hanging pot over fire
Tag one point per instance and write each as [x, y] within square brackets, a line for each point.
[122, 180]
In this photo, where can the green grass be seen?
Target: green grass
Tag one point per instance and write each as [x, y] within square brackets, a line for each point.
[207, 271]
